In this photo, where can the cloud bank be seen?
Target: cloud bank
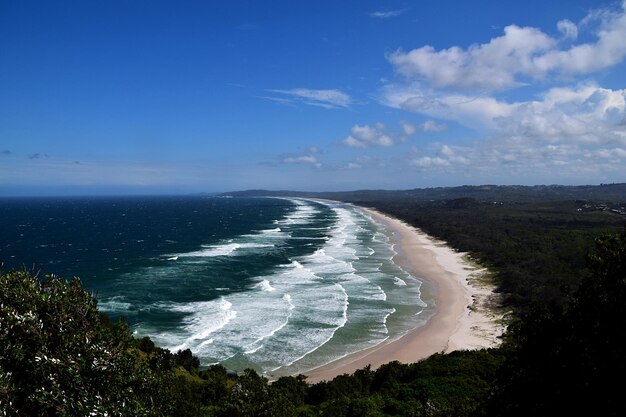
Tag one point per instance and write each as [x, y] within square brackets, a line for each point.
[574, 127]
[520, 55]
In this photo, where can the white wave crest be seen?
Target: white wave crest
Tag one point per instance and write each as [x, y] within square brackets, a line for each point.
[206, 317]
[399, 282]
[265, 286]
[114, 305]
[226, 249]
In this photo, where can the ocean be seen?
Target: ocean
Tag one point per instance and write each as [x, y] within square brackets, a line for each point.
[280, 285]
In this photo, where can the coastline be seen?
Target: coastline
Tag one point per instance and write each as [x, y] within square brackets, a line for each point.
[461, 318]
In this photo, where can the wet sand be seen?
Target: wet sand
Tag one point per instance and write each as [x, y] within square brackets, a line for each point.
[462, 317]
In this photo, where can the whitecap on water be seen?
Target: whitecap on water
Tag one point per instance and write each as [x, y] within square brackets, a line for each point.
[224, 249]
[265, 286]
[114, 305]
[203, 319]
[289, 317]
[399, 282]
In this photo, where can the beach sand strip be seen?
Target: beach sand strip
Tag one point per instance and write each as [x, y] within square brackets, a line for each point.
[463, 312]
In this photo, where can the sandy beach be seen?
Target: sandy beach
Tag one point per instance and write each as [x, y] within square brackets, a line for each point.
[462, 315]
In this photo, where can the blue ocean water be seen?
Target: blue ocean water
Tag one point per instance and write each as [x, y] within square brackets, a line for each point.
[279, 285]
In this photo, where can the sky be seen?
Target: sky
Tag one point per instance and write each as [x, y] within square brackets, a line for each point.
[126, 97]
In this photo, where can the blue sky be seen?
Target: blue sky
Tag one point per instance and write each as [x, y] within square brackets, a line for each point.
[186, 96]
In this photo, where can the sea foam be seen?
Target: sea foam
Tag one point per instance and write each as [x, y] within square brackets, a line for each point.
[342, 295]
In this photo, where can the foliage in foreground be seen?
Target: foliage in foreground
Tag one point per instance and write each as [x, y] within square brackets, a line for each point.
[59, 356]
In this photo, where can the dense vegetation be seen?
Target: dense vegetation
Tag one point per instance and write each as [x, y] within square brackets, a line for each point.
[567, 285]
[59, 356]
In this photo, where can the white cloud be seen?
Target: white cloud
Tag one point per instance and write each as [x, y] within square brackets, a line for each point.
[408, 128]
[491, 66]
[451, 153]
[568, 29]
[428, 162]
[586, 114]
[302, 159]
[521, 53]
[447, 150]
[351, 142]
[446, 157]
[306, 157]
[432, 126]
[524, 160]
[387, 14]
[329, 99]
[476, 112]
[610, 153]
[366, 136]
[609, 49]
[574, 128]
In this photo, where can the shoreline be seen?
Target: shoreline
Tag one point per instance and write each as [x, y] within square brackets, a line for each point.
[462, 317]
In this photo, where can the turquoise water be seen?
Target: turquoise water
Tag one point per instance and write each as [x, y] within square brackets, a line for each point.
[279, 285]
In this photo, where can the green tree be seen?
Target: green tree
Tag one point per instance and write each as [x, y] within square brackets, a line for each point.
[58, 356]
[569, 360]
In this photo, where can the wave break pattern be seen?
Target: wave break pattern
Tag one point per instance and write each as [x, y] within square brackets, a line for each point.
[344, 296]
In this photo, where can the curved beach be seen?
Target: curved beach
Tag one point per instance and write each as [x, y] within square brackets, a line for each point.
[460, 319]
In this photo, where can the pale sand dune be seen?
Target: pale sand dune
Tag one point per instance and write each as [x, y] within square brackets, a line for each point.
[452, 284]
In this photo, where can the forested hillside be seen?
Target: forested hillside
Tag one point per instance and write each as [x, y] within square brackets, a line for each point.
[615, 193]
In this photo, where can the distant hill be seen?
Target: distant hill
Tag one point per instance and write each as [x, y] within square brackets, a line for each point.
[482, 193]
